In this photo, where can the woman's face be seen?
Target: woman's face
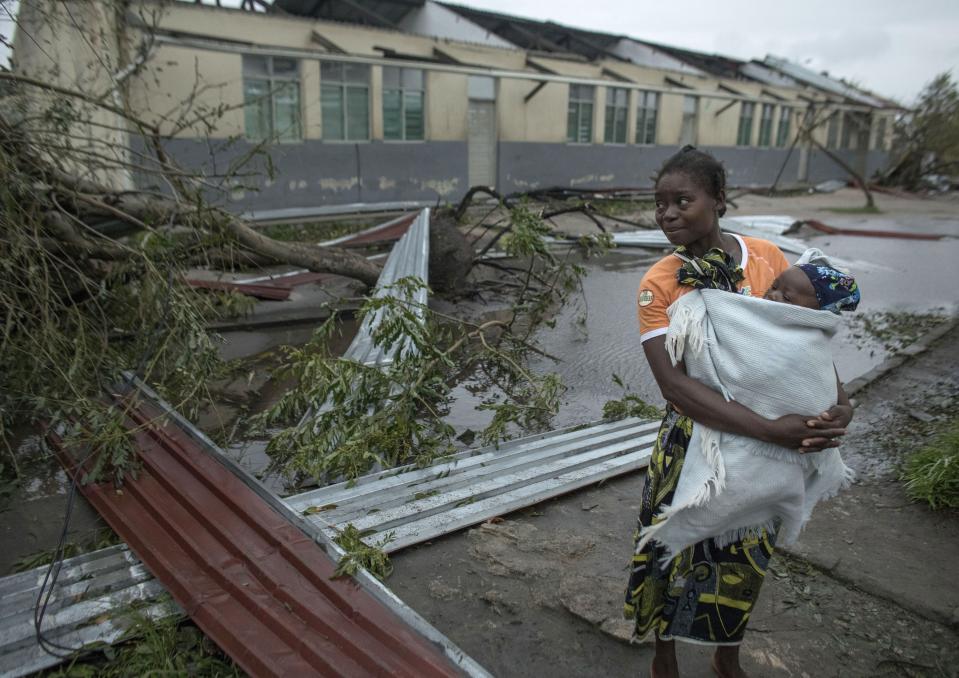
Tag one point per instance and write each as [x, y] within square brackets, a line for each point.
[684, 210]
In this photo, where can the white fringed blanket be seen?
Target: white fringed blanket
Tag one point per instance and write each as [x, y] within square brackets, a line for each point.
[773, 358]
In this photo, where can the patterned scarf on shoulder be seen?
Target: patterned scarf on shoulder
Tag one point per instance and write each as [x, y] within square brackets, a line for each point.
[715, 270]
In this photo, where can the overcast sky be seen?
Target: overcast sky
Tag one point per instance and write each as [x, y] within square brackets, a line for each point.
[892, 47]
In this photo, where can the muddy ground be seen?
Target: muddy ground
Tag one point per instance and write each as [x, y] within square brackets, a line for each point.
[870, 590]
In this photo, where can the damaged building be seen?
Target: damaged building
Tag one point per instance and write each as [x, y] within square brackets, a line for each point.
[417, 100]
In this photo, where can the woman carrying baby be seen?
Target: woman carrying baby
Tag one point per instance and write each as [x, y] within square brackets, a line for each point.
[705, 593]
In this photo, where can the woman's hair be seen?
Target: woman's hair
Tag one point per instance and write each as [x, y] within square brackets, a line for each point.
[699, 166]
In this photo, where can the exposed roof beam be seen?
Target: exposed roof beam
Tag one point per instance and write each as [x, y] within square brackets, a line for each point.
[575, 37]
[727, 88]
[533, 92]
[326, 43]
[445, 57]
[537, 39]
[724, 108]
[616, 76]
[677, 83]
[378, 19]
[772, 95]
[539, 67]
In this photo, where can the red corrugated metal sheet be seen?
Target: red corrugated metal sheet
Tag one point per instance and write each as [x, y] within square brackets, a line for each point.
[303, 278]
[254, 582]
[260, 291]
[392, 230]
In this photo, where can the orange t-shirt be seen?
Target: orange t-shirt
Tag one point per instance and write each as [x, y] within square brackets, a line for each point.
[762, 262]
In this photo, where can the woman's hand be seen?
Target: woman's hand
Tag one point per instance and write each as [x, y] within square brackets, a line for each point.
[793, 431]
[837, 416]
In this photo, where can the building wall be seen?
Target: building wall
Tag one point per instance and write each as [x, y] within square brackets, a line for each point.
[315, 173]
[531, 144]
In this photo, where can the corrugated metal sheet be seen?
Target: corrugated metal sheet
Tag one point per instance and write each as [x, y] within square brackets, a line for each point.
[409, 257]
[250, 574]
[419, 504]
[381, 233]
[268, 292]
[87, 606]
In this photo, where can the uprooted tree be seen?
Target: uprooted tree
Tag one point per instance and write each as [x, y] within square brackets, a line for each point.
[926, 140]
[92, 268]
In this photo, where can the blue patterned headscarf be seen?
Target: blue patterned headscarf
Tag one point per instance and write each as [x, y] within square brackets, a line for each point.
[835, 291]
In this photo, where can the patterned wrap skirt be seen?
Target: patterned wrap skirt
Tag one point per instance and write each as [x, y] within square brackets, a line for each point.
[706, 593]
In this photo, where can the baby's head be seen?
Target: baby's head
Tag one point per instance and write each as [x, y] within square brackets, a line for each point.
[816, 287]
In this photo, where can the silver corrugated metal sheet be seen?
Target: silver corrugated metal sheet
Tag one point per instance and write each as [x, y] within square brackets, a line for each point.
[409, 257]
[92, 602]
[419, 504]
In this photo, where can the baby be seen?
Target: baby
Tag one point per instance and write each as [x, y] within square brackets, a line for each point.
[815, 286]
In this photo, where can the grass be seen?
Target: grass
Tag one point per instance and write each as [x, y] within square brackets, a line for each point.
[159, 648]
[865, 209]
[931, 473]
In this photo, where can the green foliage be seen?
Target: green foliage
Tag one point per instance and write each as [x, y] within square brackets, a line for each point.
[630, 405]
[101, 539]
[931, 474]
[385, 417]
[70, 325]
[155, 648]
[927, 138]
[360, 555]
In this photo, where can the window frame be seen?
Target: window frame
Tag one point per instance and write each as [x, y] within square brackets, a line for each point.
[271, 78]
[643, 115]
[766, 126]
[404, 138]
[880, 142]
[744, 132]
[620, 116]
[692, 116]
[345, 86]
[580, 102]
[783, 131]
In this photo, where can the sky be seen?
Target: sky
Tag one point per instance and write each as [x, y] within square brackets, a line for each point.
[891, 47]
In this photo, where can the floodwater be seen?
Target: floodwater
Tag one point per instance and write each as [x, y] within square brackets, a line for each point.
[895, 275]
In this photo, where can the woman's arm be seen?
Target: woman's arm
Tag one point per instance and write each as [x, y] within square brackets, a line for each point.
[709, 408]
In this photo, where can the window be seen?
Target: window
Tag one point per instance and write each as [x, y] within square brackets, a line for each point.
[617, 108]
[687, 130]
[646, 117]
[832, 131]
[782, 132]
[271, 98]
[579, 115]
[855, 131]
[880, 144]
[403, 104]
[345, 101]
[766, 125]
[744, 137]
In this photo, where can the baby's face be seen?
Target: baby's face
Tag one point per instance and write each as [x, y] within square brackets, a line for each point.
[793, 287]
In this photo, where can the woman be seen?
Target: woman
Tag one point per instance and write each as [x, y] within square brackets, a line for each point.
[706, 593]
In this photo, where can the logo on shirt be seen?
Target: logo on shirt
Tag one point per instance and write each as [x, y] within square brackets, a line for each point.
[645, 297]
[747, 290]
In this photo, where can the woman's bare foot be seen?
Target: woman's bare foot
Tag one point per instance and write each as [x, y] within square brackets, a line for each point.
[726, 662]
[664, 663]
